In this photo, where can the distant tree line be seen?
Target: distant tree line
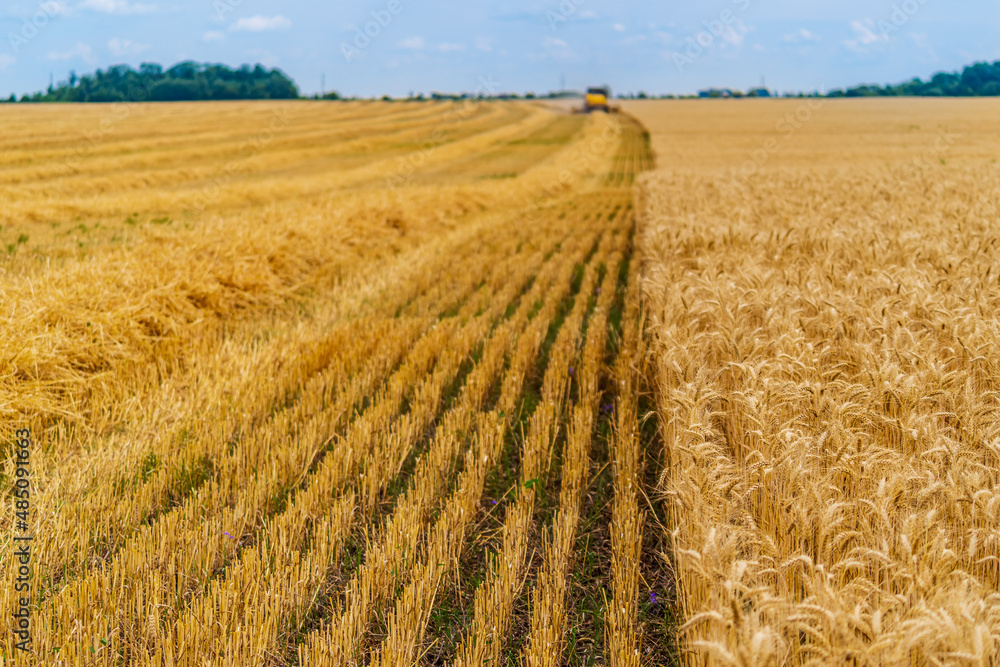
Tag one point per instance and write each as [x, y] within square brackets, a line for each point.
[189, 81]
[186, 81]
[978, 80]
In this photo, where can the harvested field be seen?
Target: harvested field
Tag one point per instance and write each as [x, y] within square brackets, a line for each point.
[323, 383]
[470, 383]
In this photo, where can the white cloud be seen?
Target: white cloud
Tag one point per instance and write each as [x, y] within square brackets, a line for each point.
[420, 44]
[618, 27]
[634, 39]
[117, 7]
[261, 23]
[484, 44]
[6, 61]
[264, 57]
[81, 51]
[213, 36]
[730, 36]
[54, 8]
[920, 39]
[735, 36]
[412, 44]
[800, 36]
[126, 47]
[864, 36]
[557, 49]
[588, 15]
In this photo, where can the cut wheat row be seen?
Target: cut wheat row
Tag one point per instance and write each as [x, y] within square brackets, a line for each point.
[237, 602]
[360, 391]
[209, 556]
[468, 140]
[111, 516]
[183, 283]
[100, 521]
[228, 506]
[183, 131]
[446, 539]
[372, 484]
[200, 436]
[374, 584]
[161, 172]
[188, 544]
[144, 314]
[621, 640]
[192, 584]
[494, 599]
[349, 454]
[274, 564]
[426, 488]
[545, 642]
[140, 159]
[277, 257]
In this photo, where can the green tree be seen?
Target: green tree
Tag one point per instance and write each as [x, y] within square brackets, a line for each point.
[184, 81]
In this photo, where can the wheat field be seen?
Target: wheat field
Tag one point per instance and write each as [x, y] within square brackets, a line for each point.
[322, 383]
[471, 382]
[822, 295]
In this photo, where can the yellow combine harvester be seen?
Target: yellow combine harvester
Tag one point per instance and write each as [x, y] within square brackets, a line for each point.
[598, 99]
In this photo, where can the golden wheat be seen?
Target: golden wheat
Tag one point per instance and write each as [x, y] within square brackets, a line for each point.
[402, 529]
[274, 356]
[545, 639]
[825, 337]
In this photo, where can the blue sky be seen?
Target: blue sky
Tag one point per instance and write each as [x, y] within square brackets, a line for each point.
[520, 45]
